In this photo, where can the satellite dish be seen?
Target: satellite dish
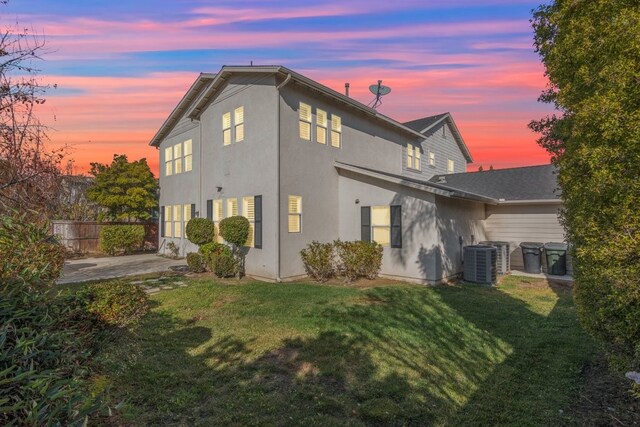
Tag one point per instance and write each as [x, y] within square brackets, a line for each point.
[379, 91]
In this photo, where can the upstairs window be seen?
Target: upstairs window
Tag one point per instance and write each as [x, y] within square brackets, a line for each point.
[226, 128]
[295, 214]
[432, 158]
[249, 212]
[188, 155]
[168, 161]
[304, 113]
[238, 118]
[413, 157]
[321, 126]
[336, 131]
[177, 158]
[450, 166]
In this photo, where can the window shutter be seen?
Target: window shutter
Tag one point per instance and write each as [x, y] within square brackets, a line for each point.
[210, 210]
[365, 223]
[193, 210]
[396, 226]
[162, 221]
[257, 205]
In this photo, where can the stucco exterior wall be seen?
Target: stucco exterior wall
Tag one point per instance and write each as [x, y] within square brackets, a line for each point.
[246, 168]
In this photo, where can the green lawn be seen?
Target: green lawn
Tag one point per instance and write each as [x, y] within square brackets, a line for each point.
[290, 354]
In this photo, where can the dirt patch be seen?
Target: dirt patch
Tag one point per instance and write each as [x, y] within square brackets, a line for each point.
[367, 284]
[223, 300]
[605, 399]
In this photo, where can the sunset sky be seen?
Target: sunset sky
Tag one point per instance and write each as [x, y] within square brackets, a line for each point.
[121, 66]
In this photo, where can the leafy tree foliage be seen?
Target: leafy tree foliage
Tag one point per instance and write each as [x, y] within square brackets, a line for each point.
[591, 53]
[127, 190]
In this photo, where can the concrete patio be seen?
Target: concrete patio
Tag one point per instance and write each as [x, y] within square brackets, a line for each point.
[83, 270]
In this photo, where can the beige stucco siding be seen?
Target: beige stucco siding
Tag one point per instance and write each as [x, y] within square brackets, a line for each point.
[524, 223]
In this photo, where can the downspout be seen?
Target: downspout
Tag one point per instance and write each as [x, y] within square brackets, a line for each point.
[278, 228]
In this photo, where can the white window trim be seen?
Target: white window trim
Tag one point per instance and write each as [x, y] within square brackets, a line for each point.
[414, 158]
[451, 166]
[432, 159]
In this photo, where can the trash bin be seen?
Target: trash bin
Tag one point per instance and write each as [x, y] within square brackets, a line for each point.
[531, 256]
[556, 254]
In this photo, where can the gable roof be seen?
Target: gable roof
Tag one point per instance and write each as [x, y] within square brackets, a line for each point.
[205, 90]
[178, 112]
[424, 124]
[515, 184]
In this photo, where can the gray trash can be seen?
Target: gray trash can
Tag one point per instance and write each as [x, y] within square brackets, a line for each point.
[556, 254]
[531, 256]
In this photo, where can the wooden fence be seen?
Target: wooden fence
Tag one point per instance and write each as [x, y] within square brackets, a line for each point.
[82, 236]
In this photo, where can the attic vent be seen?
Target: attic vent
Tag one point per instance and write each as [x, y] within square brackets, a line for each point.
[442, 180]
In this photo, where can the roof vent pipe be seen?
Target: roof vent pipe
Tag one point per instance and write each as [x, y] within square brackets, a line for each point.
[346, 89]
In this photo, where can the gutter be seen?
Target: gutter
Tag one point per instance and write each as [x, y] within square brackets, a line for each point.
[530, 202]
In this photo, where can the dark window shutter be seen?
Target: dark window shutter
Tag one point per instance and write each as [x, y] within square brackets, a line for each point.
[365, 224]
[257, 212]
[162, 221]
[193, 210]
[396, 226]
[210, 210]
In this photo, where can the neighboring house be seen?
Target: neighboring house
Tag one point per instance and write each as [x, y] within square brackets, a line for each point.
[303, 162]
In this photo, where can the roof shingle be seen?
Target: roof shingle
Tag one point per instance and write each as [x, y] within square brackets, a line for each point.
[524, 183]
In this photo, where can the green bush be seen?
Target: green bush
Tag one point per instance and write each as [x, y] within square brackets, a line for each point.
[116, 303]
[358, 259]
[196, 262]
[43, 359]
[318, 260]
[211, 250]
[28, 252]
[225, 265]
[200, 231]
[235, 230]
[116, 239]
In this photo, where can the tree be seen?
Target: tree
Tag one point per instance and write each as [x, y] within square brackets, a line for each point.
[480, 168]
[28, 169]
[591, 53]
[127, 190]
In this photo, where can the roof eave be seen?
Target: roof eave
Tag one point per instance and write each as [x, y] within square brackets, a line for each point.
[530, 202]
[197, 108]
[179, 109]
[447, 116]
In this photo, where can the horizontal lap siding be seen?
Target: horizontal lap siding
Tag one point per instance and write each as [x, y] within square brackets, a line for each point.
[524, 223]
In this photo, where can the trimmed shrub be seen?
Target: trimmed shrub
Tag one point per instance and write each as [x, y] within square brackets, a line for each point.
[117, 239]
[116, 303]
[29, 253]
[318, 260]
[235, 230]
[211, 250]
[358, 259]
[200, 231]
[225, 265]
[196, 262]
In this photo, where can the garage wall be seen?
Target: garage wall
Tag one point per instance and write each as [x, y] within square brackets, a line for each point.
[524, 223]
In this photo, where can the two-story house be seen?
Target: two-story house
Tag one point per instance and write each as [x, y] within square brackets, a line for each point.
[304, 162]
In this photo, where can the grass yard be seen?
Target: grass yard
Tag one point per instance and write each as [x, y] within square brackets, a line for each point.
[290, 354]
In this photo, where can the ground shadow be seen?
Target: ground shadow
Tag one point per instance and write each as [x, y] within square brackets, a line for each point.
[396, 356]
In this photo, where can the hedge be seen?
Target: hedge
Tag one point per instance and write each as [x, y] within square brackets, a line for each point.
[121, 239]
